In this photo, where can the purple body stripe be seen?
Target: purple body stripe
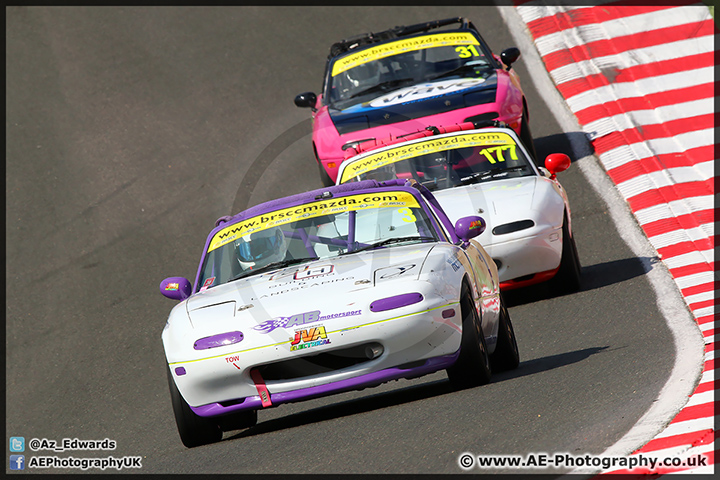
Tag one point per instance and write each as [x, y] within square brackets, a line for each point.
[368, 380]
[219, 340]
[397, 301]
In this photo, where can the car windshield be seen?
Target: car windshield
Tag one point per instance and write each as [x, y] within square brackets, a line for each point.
[316, 230]
[445, 162]
[375, 71]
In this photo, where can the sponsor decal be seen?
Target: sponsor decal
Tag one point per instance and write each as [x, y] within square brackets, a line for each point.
[172, 287]
[393, 48]
[396, 271]
[454, 261]
[313, 337]
[291, 286]
[300, 319]
[341, 314]
[475, 225]
[287, 322]
[313, 272]
[425, 91]
[208, 282]
[310, 210]
[416, 149]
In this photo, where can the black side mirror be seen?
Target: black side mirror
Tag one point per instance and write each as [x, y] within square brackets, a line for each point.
[510, 56]
[306, 100]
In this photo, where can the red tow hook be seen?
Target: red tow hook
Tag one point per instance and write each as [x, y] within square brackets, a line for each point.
[261, 388]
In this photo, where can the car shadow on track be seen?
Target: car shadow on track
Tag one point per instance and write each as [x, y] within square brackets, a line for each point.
[413, 393]
[593, 277]
[543, 364]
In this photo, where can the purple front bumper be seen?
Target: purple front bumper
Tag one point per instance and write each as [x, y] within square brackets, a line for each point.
[374, 379]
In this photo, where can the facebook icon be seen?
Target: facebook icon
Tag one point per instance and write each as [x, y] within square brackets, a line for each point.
[17, 462]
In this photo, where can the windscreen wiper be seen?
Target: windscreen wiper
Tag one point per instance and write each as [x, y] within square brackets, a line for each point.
[389, 241]
[460, 69]
[488, 173]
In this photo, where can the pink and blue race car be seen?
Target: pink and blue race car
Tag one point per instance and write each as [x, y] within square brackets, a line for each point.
[399, 81]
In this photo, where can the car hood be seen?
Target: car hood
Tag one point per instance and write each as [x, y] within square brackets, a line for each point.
[416, 101]
[498, 202]
[322, 285]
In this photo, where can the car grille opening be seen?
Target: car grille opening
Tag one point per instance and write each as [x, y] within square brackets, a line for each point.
[321, 363]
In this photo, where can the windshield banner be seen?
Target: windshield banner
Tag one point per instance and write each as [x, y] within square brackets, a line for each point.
[400, 46]
[392, 155]
[383, 199]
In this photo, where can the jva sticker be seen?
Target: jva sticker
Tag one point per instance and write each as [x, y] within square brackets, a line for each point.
[312, 337]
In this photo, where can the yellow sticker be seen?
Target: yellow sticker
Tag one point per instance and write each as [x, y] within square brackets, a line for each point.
[381, 199]
[432, 145]
[400, 46]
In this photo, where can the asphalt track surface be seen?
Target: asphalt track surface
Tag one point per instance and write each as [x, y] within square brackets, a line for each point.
[130, 130]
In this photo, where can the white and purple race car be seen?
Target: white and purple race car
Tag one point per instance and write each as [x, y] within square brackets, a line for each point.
[337, 289]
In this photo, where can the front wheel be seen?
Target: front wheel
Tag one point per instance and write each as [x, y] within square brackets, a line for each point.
[194, 430]
[567, 279]
[506, 355]
[472, 367]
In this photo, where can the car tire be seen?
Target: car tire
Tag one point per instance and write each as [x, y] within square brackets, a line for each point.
[526, 137]
[567, 279]
[506, 355]
[194, 430]
[472, 367]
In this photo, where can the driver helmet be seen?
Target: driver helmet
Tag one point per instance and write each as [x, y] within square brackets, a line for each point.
[364, 75]
[261, 248]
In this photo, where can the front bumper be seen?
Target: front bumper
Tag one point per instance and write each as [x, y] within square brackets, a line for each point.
[411, 370]
[407, 334]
